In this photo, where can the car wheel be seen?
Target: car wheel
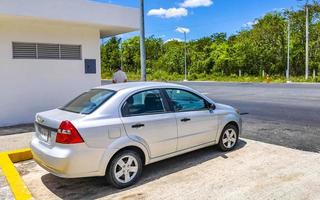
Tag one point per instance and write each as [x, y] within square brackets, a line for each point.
[229, 137]
[124, 169]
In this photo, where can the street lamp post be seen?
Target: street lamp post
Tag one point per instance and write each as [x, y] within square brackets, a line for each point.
[185, 56]
[307, 41]
[121, 56]
[142, 43]
[288, 56]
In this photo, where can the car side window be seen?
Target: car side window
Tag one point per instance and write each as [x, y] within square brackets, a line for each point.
[144, 103]
[185, 101]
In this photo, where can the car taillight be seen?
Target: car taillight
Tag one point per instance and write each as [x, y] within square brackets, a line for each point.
[68, 134]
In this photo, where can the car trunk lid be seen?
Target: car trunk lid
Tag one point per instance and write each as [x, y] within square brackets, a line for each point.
[47, 123]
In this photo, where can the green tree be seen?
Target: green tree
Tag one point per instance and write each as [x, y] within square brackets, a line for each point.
[263, 46]
[110, 55]
[131, 54]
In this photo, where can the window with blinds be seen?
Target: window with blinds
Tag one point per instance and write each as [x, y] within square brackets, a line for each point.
[21, 50]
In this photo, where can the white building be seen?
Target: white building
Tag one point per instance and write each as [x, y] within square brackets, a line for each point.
[50, 52]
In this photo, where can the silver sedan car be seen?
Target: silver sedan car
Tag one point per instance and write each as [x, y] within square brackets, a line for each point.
[114, 130]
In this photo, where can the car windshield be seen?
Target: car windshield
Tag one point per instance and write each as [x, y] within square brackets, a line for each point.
[89, 101]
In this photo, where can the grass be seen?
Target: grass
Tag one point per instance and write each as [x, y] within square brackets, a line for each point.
[164, 76]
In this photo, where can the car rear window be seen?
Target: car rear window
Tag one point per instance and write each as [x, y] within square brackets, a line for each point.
[89, 101]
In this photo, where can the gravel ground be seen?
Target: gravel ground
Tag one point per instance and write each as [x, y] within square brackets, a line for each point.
[254, 171]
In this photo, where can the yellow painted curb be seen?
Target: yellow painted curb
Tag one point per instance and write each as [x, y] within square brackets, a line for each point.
[17, 186]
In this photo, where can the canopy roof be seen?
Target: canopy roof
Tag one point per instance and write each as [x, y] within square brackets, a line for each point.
[110, 19]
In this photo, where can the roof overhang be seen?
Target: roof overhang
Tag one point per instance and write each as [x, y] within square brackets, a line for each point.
[109, 19]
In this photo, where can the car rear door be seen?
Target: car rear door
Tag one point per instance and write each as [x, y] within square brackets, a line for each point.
[147, 118]
[197, 124]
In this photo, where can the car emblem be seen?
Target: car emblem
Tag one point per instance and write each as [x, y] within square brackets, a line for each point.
[39, 119]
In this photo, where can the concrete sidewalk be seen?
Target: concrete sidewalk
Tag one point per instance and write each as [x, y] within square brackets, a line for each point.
[16, 141]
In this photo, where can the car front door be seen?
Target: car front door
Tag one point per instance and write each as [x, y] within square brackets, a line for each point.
[146, 117]
[197, 123]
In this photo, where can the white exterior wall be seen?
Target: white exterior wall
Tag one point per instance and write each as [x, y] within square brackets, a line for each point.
[29, 86]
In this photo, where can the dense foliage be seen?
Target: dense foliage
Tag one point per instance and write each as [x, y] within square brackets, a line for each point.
[261, 47]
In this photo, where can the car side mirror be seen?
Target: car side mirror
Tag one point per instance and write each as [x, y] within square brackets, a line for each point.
[212, 106]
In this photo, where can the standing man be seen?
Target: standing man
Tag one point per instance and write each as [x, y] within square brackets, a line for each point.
[119, 76]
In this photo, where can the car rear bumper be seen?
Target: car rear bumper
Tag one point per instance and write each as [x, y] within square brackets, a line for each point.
[68, 161]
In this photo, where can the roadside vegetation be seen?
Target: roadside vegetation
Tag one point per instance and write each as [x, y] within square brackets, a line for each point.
[257, 51]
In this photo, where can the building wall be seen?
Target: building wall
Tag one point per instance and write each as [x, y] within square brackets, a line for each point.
[29, 86]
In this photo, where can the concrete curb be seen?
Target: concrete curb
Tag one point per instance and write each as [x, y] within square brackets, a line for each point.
[17, 186]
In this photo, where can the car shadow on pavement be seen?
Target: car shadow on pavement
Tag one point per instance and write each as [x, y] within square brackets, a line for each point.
[93, 188]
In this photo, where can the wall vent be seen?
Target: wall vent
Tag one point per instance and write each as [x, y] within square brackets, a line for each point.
[22, 50]
[70, 52]
[48, 51]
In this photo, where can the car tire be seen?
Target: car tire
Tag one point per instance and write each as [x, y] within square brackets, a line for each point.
[229, 137]
[121, 173]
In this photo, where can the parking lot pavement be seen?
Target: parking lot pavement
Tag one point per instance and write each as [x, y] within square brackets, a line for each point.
[255, 170]
[11, 142]
[5, 192]
[281, 114]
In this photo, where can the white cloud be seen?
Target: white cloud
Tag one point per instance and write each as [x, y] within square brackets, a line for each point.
[173, 39]
[182, 30]
[196, 3]
[168, 13]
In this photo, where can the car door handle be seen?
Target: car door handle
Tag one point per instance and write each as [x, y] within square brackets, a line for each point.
[185, 119]
[137, 125]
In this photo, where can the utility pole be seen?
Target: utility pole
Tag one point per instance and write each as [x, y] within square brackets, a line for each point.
[307, 41]
[142, 43]
[121, 57]
[185, 56]
[288, 56]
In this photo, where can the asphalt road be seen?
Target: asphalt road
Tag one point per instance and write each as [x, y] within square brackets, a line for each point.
[282, 114]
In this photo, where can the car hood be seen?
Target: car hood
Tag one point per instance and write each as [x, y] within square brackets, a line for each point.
[224, 107]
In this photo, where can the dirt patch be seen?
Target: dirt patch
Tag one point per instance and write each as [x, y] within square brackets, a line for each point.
[254, 171]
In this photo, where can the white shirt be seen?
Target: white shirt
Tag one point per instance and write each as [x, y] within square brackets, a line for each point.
[119, 77]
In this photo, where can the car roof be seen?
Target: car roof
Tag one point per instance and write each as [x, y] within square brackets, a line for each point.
[138, 85]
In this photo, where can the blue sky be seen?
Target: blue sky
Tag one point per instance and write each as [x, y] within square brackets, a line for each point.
[202, 17]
